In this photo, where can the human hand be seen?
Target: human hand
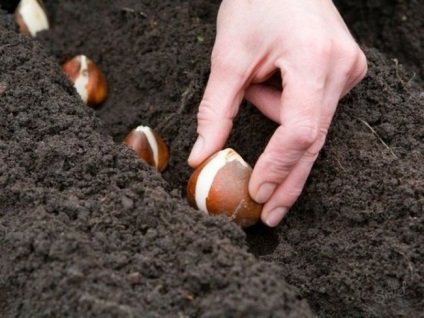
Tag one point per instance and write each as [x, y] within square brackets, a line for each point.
[319, 61]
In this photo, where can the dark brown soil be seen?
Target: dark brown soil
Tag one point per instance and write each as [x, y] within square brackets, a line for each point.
[393, 26]
[87, 229]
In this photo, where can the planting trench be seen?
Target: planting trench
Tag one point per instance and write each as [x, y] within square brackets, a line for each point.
[87, 229]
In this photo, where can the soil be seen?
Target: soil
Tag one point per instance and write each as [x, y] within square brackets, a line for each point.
[393, 26]
[87, 229]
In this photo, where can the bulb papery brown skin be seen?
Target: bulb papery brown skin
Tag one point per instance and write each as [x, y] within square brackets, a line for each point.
[149, 146]
[220, 186]
[31, 17]
[87, 78]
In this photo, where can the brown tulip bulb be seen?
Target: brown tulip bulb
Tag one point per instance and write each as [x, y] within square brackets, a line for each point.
[31, 17]
[87, 79]
[220, 186]
[149, 146]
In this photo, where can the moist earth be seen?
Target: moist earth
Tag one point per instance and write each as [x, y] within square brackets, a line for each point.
[87, 229]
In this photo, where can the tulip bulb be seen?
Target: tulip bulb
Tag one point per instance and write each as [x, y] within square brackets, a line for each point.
[220, 186]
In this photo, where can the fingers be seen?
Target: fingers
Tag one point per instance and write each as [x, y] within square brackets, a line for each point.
[300, 111]
[287, 193]
[306, 111]
[219, 106]
[267, 100]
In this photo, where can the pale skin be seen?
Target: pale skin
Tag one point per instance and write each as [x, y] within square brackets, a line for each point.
[319, 61]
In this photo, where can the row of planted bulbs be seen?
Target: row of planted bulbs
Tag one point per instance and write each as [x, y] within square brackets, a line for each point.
[218, 186]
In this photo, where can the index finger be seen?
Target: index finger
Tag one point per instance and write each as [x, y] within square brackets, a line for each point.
[220, 104]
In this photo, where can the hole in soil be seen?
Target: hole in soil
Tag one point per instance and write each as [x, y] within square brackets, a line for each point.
[9, 5]
[261, 239]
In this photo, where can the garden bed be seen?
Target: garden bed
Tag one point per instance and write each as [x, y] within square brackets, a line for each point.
[87, 229]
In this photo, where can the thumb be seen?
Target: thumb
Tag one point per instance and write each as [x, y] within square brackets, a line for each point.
[221, 100]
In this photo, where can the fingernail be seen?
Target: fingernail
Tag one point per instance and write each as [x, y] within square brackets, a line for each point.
[275, 216]
[197, 148]
[264, 192]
